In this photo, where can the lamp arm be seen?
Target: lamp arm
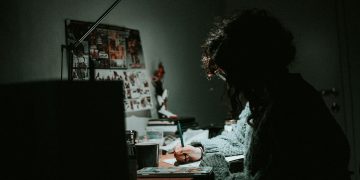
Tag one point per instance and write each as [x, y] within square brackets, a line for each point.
[71, 48]
[77, 43]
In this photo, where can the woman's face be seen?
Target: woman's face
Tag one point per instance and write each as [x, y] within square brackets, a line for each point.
[239, 80]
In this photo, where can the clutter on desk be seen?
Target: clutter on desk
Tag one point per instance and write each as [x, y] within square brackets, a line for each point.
[170, 124]
[169, 127]
[155, 136]
[189, 136]
[164, 132]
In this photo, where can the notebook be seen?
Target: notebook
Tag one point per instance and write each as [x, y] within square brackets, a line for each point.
[175, 171]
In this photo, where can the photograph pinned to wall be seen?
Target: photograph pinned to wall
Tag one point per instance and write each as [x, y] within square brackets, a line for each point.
[80, 62]
[102, 75]
[99, 48]
[139, 82]
[117, 75]
[79, 74]
[136, 86]
[146, 102]
[127, 93]
[117, 48]
[128, 106]
[94, 52]
[81, 56]
[139, 104]
[135, 56]
[111, 75]
[137, 90]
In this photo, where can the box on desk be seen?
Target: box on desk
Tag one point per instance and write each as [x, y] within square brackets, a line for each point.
[170, 124]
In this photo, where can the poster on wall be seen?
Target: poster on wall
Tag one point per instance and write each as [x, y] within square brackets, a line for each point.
[99, 49]
[117, 49]
[134, 49]
[110, 53]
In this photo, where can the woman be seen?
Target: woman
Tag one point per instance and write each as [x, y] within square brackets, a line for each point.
[294, 136]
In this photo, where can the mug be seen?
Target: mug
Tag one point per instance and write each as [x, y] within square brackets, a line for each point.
[147, 154]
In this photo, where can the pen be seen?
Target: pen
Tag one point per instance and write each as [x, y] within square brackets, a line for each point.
[180, 134]
[181, 139]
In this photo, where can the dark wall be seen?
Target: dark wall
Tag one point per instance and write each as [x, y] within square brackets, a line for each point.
[351, 52]
[32, 33]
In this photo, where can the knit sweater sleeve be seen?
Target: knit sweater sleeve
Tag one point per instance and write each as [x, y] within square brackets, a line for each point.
[225, 144]
[230, 143]
[220, 167]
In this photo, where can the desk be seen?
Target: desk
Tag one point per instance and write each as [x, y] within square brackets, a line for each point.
[163, 164]
[235, 166]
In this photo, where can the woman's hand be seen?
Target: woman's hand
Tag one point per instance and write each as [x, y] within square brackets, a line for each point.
[187, 153]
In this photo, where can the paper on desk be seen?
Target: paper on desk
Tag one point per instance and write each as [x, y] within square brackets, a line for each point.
[170, 161]
[173, 160]
[233, 158]
[193, 164]
[189, 137]
[197, 163]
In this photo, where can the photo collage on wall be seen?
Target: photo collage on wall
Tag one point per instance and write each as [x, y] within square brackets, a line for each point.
[111, 53]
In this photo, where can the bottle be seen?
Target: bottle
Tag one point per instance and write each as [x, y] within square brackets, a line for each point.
[131, 136]
[131, 141]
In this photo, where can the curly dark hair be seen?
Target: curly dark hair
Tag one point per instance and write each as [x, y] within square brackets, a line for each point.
[247, 49]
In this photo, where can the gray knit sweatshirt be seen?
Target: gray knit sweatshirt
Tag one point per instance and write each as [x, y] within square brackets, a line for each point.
[230, 143]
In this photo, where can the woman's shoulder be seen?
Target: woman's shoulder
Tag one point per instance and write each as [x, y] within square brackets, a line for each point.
[298, 99]
[294, 90]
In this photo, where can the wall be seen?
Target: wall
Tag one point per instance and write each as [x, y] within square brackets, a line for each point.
[351, 53]
[172, 31]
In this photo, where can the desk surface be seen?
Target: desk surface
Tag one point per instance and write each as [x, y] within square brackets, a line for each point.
[235, 166]
[164, 164]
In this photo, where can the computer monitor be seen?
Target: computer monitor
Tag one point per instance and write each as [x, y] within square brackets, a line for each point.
[63, 130]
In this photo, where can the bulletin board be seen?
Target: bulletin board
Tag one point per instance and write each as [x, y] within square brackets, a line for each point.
[110, 53]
